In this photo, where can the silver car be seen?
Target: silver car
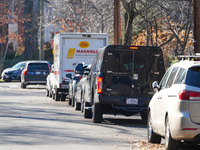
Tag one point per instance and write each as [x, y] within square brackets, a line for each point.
[174, 110]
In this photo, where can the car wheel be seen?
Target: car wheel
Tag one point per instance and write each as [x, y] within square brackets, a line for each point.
[53, 95]
[70, 101]
[57, 95]
[50, 94]
[152, 137]
[77, 105]
[87, 113]
[47, 92]
[143, 115]
[97, 113]
[23, 85]
[63, 97]
[170, 143]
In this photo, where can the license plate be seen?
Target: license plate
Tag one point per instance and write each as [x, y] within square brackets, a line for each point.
[132, 101]
[6, 76]
[37, 72]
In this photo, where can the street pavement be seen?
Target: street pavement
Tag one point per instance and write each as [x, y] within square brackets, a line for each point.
[30, 120]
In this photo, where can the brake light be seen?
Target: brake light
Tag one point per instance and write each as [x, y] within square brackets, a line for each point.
[25, 72]
[189, 128]
[99, 85]
[79, 77]
[49, 68]
[189, 95]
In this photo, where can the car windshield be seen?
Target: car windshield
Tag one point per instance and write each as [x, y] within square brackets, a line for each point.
[19, 65]
[193, 77]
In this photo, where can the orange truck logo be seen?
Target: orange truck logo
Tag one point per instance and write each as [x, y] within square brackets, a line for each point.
[84, 44]
[71, 53]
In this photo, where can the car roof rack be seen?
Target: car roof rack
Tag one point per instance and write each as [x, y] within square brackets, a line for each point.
[189, 57]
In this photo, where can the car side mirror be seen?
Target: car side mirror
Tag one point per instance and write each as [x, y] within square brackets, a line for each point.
[69, 75]
[155, 86]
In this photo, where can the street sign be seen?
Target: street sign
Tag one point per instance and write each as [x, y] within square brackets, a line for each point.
[52, 43]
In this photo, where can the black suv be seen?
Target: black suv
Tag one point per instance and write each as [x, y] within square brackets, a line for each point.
[120, 81]
[35, 72]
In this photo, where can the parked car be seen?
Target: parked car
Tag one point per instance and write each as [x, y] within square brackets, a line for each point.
[35, 72]
[79, 90]
[173, 111]
[13, 73]
[120, 81]
[74, 80]
[49, 83]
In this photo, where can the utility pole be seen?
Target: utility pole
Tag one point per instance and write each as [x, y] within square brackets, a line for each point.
[41, 52]
[196, 28]
[116, 14]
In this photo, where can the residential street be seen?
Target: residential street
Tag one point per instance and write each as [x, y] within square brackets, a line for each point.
[30, 120]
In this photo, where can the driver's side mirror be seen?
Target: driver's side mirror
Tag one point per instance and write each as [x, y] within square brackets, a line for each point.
[155, 86]
[69, 75]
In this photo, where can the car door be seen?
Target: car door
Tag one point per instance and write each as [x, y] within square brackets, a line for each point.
[155, 107]
[89, 82]
[164, 99]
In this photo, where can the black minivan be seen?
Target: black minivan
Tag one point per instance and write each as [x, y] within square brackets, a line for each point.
[120, 81]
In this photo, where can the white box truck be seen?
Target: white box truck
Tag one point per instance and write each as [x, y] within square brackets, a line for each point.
[70, 49]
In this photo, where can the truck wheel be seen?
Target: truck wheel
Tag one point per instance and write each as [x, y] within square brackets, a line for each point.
[87, 113]
[152, 137]
[23, 85]
[77, 105]
[47, 92]
[63, 97]
[143, 115]
[70, 101]
[170, 143]
[57, 95]
[97, 113]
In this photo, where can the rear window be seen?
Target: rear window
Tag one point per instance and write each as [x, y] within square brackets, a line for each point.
[38, 66]
[193, 77]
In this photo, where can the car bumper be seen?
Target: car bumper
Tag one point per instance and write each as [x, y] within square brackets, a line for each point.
[10, 77]
[182, 128]
[119, 104]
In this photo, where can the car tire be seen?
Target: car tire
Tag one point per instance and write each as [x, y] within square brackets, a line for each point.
[53, 95]
[63, 97]
[97, 113]
[87, 113]
[50, 94]
[57, 95]
[70, 101]
[170, 143]
[152, 137]
[23, 85]
[47, 92]
[77, 105]
[143, 115]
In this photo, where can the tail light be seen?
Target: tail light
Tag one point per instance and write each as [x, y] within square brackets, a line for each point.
[99, 85]
[79, 77]
[49, 69]
[189, 95]
[25, 72]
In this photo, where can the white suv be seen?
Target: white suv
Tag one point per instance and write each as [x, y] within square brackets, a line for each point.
[174, 110]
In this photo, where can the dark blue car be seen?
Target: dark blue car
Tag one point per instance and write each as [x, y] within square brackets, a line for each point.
[13, 73]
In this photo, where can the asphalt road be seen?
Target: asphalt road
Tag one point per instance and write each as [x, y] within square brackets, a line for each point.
[30, 120]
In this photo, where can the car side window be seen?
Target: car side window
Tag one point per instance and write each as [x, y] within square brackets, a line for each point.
[180, 78]
[163, 82]
[94, 65]
[171, 77]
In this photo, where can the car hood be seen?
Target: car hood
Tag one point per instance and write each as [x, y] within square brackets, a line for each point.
[11, 70]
